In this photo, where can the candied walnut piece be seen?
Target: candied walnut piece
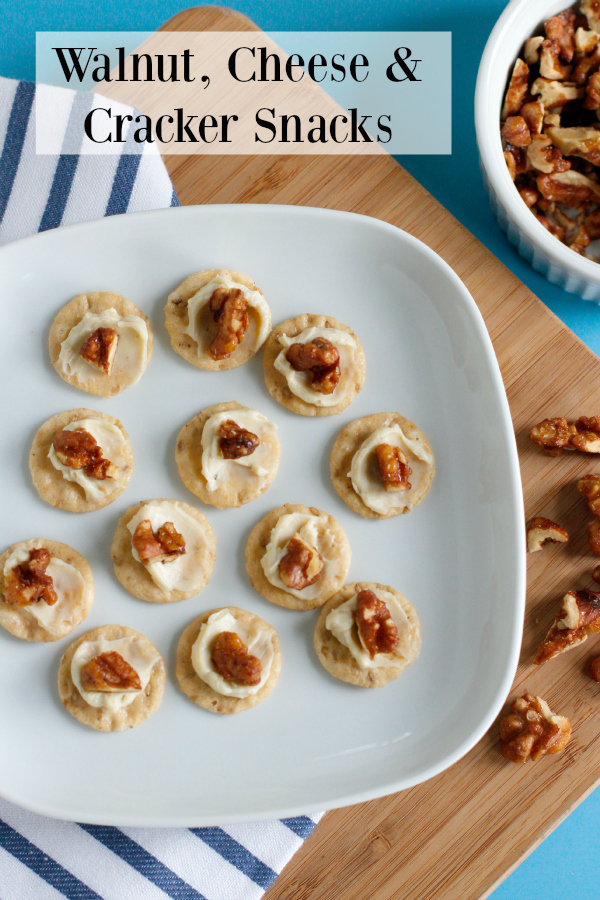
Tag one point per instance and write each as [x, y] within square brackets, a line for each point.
[301, 565]
[229, 309]
[99, 348]
[376, 628]
[561, 29]
[161, 546]
[592, 92]
[236, 441]
[550, 64]
[595, 669]
[393, 468]
[569, 188]
[28, 582]
[591, 224]
[543, 156]
[579, 241]
[319, 357]
[589, 487]
[585, 434]
[78, 450]
[531, 51]
[109, 673]
[529, 196]
[516, 161]
[551, 434]
[533, 114]
[517, 89]
[578, 141]
[232, 661]
[510, 164]
[556, 435]
[555, 230]
[585, 41]
[578, 616]
[555, 94]
[531, 730]
[516, 131]
[593, 534]
[540, 531]
[591, 10]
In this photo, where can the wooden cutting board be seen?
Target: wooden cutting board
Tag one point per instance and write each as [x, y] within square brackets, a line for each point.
[459, 834]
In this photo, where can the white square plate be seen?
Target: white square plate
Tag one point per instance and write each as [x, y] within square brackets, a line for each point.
[459, 556]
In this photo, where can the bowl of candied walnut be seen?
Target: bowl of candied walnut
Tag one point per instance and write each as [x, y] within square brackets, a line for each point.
[537, 116]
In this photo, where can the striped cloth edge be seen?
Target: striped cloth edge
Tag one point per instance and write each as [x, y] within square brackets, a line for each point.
[42, 192]
[42, 858]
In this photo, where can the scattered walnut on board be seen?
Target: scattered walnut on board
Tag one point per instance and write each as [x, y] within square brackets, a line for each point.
[578, 616]
[531, 730]
[541, 531]
[556, 435]
[595, 669]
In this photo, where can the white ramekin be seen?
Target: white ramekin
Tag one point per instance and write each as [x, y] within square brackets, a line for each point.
[545, 253]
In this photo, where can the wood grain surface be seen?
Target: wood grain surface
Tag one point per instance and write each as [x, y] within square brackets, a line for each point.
[459, 834]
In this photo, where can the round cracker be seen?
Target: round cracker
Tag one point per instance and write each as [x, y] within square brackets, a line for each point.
[338, 660]
[49, 482]
[257, 546]
[17, 620]
[349, 442]
[198, 690]
[134, 576]
[188, 456]
[102, 719]
[71, 314]
[176, 321]
[277, 384]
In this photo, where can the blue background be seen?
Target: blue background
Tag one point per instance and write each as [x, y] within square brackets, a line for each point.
[565, 864]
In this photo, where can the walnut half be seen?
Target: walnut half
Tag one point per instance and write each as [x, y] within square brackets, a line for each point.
[236, 441]
[578, 616]
[319, 357]
[229, 310]
[301, 564]
[393, 468]
[77, 449]
[162, 545]
[99, 348]
[29, 582]
[531, 730]
[376, 628]
[109, 673]
[232, 661]
[540, 531]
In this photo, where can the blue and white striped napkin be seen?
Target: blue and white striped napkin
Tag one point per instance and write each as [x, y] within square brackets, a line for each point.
[41, 858]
